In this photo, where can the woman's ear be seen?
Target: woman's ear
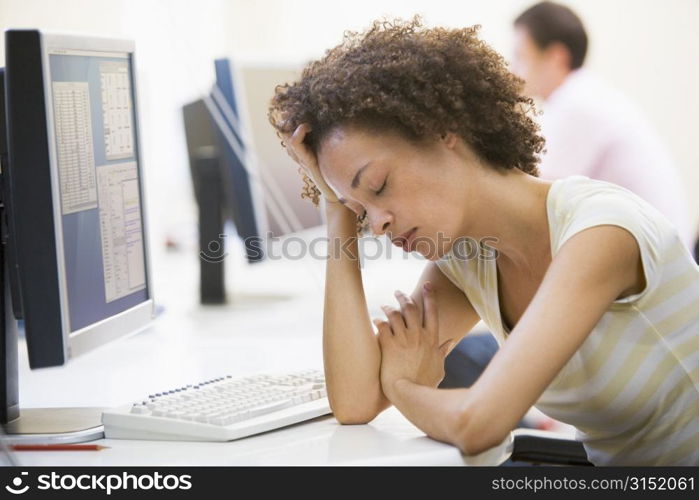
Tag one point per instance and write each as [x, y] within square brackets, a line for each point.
[450, 139]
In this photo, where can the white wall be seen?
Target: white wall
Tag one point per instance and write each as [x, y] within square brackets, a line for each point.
[650, 49]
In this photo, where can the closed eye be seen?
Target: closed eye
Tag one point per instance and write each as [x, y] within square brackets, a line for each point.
[361, 219]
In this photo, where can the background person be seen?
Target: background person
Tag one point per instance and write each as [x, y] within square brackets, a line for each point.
[590, 128]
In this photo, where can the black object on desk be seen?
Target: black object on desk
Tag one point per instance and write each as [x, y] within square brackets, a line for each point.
[207, 175]
[548, 451]
[205, 168]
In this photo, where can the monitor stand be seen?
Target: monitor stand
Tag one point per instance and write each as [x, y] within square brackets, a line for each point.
[34, 425]
[55, 425]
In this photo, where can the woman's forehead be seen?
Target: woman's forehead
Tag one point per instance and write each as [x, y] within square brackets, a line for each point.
[352, 148]
[342, 154]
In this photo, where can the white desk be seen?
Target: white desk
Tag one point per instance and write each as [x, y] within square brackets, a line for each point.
[274, 326]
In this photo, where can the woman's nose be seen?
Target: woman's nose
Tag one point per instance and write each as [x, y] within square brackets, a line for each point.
[380, 222]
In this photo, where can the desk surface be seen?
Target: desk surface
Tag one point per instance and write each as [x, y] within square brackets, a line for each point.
[273, 323]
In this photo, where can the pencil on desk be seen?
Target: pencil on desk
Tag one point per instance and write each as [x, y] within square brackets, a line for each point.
[57, 447]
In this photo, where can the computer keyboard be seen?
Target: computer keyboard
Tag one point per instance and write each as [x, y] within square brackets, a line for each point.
[222, 409]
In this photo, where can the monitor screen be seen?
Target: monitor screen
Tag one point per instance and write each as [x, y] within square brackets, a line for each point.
[100, 203]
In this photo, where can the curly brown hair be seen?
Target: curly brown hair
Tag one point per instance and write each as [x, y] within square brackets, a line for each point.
[422, 83]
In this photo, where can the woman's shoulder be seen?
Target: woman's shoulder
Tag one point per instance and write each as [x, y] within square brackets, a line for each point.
[570, 193]
[578, 202]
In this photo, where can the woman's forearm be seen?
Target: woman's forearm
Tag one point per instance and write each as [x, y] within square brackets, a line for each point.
[449, 415]
[351, 351]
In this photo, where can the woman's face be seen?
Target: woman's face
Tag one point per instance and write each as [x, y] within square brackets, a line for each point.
[417, 195]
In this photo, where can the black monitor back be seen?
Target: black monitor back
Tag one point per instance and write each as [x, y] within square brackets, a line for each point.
[28, 199]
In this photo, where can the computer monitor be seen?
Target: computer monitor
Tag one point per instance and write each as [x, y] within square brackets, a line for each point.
[73, 199]
[239, 171]
[242, 202]
[241, 95]
[255, 84]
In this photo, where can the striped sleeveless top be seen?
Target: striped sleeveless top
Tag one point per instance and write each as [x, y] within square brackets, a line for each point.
[632, 388]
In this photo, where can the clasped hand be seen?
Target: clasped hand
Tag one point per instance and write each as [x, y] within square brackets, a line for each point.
[409, 341]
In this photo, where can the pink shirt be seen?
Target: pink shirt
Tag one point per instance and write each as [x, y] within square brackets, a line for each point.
[593, 130]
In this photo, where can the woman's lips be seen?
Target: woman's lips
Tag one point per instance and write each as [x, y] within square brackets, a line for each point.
[406, 240]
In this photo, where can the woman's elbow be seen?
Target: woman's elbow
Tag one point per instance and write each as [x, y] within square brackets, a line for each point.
[474, 444]
[476, 433]
[354, 411]
[350, 408]
[353, 415]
